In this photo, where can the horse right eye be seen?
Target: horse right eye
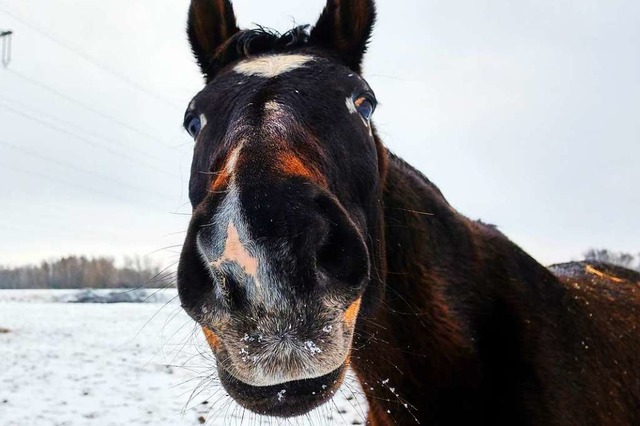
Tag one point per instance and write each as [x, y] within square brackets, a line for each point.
[192, 125]
[365, 107]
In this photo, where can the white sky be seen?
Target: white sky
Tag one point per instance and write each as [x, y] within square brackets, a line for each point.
[526, 114]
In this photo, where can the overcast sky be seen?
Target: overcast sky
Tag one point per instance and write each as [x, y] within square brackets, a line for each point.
[526, 114]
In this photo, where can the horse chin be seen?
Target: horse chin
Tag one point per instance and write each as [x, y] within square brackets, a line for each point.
[288, 399]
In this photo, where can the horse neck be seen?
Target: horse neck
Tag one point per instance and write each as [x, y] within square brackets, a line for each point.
[441, 268]
[428, 246]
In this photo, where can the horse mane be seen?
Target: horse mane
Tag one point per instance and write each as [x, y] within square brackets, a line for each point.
[257, 41]
[437, 194]
[417, 174]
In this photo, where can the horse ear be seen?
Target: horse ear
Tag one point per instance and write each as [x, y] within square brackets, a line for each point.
[345, 27]
[211, 23]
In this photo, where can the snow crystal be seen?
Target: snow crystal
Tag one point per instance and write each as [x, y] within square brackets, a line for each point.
[312, 347]
[245, 354]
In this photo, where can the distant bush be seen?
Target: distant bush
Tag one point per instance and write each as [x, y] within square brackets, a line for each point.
[82, 272]
[138, 295]
[626, 260]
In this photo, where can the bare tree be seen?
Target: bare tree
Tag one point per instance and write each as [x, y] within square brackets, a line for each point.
[82, 272]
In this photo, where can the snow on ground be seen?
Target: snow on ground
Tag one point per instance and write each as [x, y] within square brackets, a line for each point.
[90, 295]
[121, 363]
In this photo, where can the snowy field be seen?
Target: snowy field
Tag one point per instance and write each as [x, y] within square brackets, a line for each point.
[65, 363]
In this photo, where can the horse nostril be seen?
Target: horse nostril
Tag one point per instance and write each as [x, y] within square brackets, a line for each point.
[229, 288]
[341, 253]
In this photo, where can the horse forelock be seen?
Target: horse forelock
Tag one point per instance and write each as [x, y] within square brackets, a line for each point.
[258, 41]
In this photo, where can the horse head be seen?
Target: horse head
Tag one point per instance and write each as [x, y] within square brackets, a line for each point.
[285, 245]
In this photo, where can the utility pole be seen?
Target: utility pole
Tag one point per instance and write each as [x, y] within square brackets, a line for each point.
[5, 36]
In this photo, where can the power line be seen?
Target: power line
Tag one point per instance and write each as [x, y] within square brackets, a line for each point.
[57, 230]
[88, 58]
[88, 107]
[72, 184]
[45, 223]
[78, 169]
[117, 154]
[109, 141]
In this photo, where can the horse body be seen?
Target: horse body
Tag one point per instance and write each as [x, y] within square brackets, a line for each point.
[474, 331]
[311, 249]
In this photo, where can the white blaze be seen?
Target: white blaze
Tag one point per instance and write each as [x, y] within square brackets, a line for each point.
[273, 65]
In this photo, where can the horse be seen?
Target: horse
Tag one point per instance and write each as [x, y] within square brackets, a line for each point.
[313, 249]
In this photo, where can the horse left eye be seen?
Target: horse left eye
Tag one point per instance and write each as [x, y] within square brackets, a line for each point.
[193, 125]
[365, 107]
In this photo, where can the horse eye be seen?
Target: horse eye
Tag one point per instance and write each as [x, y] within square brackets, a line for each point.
[192, 125]
[365, 107]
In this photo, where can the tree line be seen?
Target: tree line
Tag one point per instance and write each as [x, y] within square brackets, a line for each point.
[82, 272]
[101, 272]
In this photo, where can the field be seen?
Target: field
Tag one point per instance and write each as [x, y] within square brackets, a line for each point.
[119, 363]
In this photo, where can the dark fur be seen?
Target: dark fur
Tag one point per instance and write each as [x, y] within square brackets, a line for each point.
[215, 49]
[457, 324]
[483, 334]
[247, 43]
